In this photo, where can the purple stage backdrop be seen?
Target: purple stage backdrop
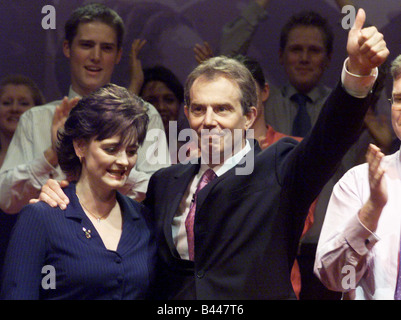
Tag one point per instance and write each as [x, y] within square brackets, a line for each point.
[172, 28]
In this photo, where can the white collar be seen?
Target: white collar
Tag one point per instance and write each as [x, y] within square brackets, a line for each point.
[229, 163]
[72, 93]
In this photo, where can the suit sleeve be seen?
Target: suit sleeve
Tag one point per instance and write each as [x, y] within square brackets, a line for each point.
[237, 34]
[306, 168]
[25, 257]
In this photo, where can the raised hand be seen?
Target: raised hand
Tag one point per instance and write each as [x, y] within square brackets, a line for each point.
[203, 51]
[366, 47]
[136, 71]
[370, 213]
[378, 188]
[60, 116]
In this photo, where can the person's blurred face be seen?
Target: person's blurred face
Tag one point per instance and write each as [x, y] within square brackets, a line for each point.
[14, 101]
[304, 57]
[396, 107]
[163, 99]
[93, 54]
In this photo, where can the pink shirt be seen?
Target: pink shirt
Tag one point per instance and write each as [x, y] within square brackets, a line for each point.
[350, 258]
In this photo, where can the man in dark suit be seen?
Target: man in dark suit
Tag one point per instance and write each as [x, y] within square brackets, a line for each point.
[247, 224]
[242, 236]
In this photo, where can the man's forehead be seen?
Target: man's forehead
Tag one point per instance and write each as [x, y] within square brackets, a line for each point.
[215, 79]
[306, 34]
[89, 31]
[217, 91]
[397, 86]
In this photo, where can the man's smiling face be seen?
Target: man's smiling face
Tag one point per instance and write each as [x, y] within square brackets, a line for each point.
[93, 54]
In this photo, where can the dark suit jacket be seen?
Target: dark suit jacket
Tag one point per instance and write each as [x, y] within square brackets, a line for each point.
[247, 227]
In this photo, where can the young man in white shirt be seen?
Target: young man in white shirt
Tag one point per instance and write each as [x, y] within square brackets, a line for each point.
[93, 43]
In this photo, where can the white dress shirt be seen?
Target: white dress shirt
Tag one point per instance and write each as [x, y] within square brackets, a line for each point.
[178, 225]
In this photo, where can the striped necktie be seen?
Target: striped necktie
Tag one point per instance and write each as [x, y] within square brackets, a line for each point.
[208, 176]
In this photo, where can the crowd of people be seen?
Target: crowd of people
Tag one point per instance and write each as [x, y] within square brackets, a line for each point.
[89, 187]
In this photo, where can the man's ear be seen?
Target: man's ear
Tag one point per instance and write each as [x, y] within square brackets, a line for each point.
[250, 117]
[66, 49]
[186, 111]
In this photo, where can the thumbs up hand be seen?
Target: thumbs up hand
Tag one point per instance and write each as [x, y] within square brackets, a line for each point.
[366, 47]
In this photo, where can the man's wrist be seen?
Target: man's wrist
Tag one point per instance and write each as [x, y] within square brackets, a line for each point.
[369, 215]
[358, 85]
[358, 71]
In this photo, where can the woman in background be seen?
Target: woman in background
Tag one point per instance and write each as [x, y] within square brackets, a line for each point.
[18, 93]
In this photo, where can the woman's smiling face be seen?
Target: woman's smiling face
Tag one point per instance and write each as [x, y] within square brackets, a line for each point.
[107, 163]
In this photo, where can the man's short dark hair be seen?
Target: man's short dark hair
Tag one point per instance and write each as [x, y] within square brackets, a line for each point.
[94, 12]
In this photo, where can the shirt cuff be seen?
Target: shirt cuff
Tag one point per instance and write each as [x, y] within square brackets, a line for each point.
[360, 238]
[42, 170]
[356, 85]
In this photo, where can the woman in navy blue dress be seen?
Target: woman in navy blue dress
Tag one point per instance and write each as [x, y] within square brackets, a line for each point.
[101, 246]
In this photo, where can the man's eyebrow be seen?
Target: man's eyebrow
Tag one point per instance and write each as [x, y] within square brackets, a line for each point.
[195, 105]
[93, 41]
[85, 40]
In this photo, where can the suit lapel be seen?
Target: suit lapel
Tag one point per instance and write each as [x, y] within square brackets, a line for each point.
[176, 191]
[179, 185]
[250, 156]
[130, 236]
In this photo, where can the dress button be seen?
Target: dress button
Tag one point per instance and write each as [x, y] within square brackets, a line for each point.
[200, 274]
